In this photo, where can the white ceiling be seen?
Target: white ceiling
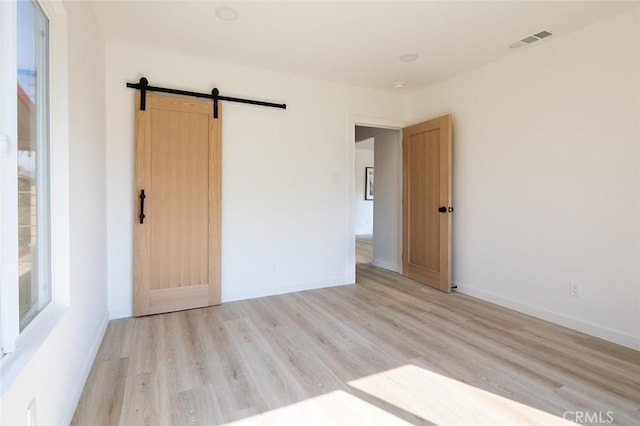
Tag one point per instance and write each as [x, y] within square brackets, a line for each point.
[354, 42]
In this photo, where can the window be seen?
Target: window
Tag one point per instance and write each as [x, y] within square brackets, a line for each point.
[34, 179]
[26, 190]
[34, 281]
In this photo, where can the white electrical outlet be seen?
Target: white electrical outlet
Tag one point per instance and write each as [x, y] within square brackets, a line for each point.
[575, 289]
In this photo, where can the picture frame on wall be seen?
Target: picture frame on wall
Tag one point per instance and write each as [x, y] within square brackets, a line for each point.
[368, 183]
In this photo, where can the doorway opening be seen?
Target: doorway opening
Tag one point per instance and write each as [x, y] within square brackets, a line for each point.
[378, 197]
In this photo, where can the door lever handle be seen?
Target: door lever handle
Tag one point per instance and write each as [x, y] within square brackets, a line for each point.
[142, 197]
[442, 209]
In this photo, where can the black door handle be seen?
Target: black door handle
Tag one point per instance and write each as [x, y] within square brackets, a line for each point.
[442, 209]
[142, 197]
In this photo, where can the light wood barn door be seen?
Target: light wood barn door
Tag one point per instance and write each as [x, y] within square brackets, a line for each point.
[178, 166]
[426, 255]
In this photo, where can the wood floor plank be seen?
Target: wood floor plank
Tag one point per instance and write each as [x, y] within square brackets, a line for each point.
[234, 388]
[101, 401]
[364, 249]
[117, 340]
[317, 357]
[312, 374]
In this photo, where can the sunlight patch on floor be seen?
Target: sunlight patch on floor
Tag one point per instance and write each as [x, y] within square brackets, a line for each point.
[445, 401]
[335, 408]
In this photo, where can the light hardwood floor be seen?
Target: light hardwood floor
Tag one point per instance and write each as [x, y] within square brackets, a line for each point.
[384, 351]
[364, 249]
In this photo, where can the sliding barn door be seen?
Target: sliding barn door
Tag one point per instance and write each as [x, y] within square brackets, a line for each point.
[178, 196]
[426, 255]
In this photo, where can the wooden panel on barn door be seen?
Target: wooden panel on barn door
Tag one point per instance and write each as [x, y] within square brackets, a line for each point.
[178, 165]
[426, 255]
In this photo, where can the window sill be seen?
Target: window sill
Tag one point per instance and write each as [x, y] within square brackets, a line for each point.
[32, 338]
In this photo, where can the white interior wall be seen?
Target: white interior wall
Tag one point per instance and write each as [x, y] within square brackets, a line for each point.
[546, 178]
[287, 177]
[387, 207]
[364, 208]
[56, 373]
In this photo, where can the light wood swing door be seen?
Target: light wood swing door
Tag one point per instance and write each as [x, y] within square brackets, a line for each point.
[426, 233]
[178, 216]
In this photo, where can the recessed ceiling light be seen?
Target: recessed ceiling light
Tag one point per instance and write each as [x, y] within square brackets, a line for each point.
[408, 57]
[398, 85]
[227, 14]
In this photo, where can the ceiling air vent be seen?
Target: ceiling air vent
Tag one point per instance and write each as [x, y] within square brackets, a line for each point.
[542, 34]
[530, 39]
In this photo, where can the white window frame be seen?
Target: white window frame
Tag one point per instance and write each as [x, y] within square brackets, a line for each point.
[19, 347]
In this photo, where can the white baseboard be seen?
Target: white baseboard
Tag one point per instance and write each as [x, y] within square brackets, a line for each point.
[85, 370]
[392, 266]
[231, 296]
[125, 312]
[595, 330]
